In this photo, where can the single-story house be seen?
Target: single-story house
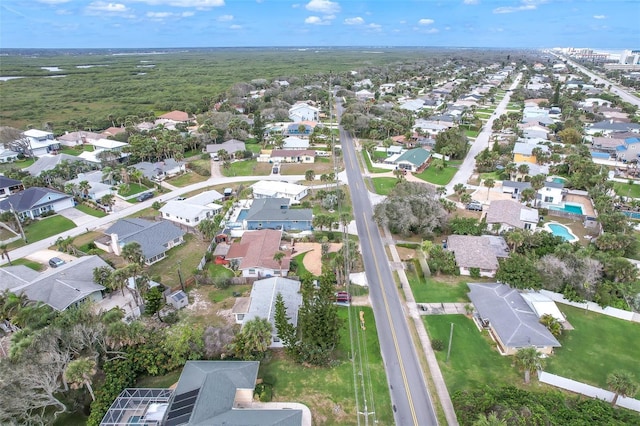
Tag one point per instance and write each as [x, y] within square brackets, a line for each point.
[523, 152]
[477, 252]
[62, 287]
[628, 149]
[605, 144]
[543, 305]
[294, 142]
[300, 128]
[305, 156]
[231, 147]
[510, 214]
[33, 202]
[208, 393]
[78, 138]
[253, 254]
[608, 127]
[49, 162]
[274, 213]
[97, 189]
[278, 189]
[514, 188]
[108, 145]
[162, 169]
[365, 94]
[155, 238]
[414, 160]
[112, 131]
[8, 155]
[193, 210]
[262, 302]
[304, 112]
[177, 116]
[9, 186]
[509, 319]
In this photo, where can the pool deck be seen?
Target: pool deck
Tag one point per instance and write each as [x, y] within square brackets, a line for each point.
[585, 202]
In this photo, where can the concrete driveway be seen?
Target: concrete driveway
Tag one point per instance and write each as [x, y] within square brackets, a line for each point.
[76, 216]
[43, 256]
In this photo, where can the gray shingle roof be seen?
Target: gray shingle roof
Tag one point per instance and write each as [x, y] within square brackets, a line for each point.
[49, 162]
[6, 182]
[263, 299]
[16, 276]
[31, 198]
[511, 213]
[510, 316]
[152, 236]
[272, 209]
[472, 252]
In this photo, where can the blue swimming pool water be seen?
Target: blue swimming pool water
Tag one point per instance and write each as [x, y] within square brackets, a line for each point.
[569, 208]
[632, 215]
[243, 213]
[560, 231]
[558, 180]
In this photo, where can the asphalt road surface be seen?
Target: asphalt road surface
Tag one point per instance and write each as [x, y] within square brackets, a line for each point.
[409, 395]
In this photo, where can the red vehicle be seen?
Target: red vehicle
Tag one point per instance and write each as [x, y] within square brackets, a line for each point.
[343, 297]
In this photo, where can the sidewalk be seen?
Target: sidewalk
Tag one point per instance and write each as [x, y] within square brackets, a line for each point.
[432, 362]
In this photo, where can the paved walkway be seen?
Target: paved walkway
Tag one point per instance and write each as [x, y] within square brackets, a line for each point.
[432, 362]
[76, 216]
[442, 308]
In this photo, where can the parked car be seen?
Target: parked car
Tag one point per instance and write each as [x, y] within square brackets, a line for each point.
[145, 196]
[54, 262]
[275, 170]
[475, 206]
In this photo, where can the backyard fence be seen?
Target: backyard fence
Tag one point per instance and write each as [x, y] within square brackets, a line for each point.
[587, 390]
[594, 307]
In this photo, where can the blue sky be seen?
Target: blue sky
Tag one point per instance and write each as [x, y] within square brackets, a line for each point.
[611, 24]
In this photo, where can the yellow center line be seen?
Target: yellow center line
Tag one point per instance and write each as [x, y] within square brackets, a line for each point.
[393, 331]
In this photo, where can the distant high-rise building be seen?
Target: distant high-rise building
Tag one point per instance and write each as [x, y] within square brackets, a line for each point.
[630, 57]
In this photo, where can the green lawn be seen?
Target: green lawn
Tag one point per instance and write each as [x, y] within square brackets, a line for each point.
[384, 185]
[430, 290]
[325, 389]
[474, 361]
[443, 177]
[18, 164]
[218, 295]
[88, 210]
[301, 270]
[189, 254]
[134, 188]
[491, 175]
[379, 155]
[253, 147]
[370, 167]
[159, 381]
[219, 271]
[28, 263]
[44, 228]
[77, 151]
[247, 168]
[186, 179]
[472, 133]
[597, 346]
[626, 190]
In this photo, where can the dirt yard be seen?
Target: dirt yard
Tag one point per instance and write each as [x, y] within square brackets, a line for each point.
[312, 260]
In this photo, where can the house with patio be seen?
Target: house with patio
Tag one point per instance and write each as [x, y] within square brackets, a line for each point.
[278, 189]
[413, 160]
[253, 254]
[97, 189]
[510, 214]
[193, 210]
[161, 170]
[35, 201]
[509, 319]
[551, 194]
[479, 253]
[155, 238]
[274, 213]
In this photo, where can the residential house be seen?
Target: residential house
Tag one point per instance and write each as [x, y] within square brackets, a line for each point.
[551, 194]
[207, 393]
[509, 319]
[414, 160]
[253, 254]
[162, 169]
[33, 202]
[302, 111]
[277, 189]
[365, 95]
[609, 127]
[543, 305]
[176, 116]
[49, 162]
[38, 143]
[509, 214]
[193, 210]
[78, 138]
[305, 156]
[413, 105]
[112, 131]
[364, 83]
[523, 152]
[9, 186]
[477, 252]
[274, 213]
[155, 238]
[514, 188]
[387, 88]
[62, 287]
[608, 145]
[231, 147]
[294, 142]
[8, 155]
[628, 150]
[97, 189]
[262, 303]
[534, 130]
[300, 128]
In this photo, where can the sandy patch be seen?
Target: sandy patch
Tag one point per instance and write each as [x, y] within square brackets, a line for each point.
[406, 253]
[312, 261]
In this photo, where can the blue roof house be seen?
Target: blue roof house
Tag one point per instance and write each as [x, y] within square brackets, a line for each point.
[629, 150]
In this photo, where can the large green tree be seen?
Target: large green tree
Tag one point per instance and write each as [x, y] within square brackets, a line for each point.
[621, 383]
[529, 360]
[253, 340]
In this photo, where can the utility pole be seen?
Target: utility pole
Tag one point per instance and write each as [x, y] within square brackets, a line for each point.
[180, 276]
[15, 214]
[450, 339]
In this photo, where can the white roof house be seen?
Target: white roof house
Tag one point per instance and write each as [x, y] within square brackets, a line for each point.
[303, 112]
[108, 144]
[276, 189]
[40, 142]
[542, 305]
[193, 210]
[293, 142]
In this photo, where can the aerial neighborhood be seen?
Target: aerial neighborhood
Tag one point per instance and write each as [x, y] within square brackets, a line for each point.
[219, 260]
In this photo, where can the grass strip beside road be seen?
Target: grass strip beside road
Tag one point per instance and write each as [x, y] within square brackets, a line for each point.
[47, 227]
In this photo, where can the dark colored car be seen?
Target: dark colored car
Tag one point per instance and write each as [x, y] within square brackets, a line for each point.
[54, 262]
[145, 196]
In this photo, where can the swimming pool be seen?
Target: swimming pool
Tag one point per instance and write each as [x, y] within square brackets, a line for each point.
[569, 208]
[558, 179]
[561, 231]
[631, 215]
[243, 213]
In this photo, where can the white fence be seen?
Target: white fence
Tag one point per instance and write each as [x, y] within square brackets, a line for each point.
[588, 390]
[594, 307]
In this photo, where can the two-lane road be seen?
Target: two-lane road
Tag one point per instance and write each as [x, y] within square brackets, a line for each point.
[409, 395]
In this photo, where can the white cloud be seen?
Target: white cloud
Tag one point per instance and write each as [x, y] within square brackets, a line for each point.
[426, 21]
[354, 21]
[236, 27]
[524, 5]
[158, 15]
[201, 4]
[187, 14]
[314, 20]
[225, 18]
[599, 16]
[53, 1]
[374, 27]
[98, 7]
[432, 31]
[63, 12]
[323, 6]
[471, 1]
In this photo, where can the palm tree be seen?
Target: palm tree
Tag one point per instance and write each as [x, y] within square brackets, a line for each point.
[309, 175]
[4, 251]
[621, 383]
[208, 228]
[278, 257]
[514, 239]
[80, 372]
[459, 189]
[489, 183]
[529, 360]
[552, 324]
[465, 198]
[84, 188]
[489, 420]
[133, 253]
